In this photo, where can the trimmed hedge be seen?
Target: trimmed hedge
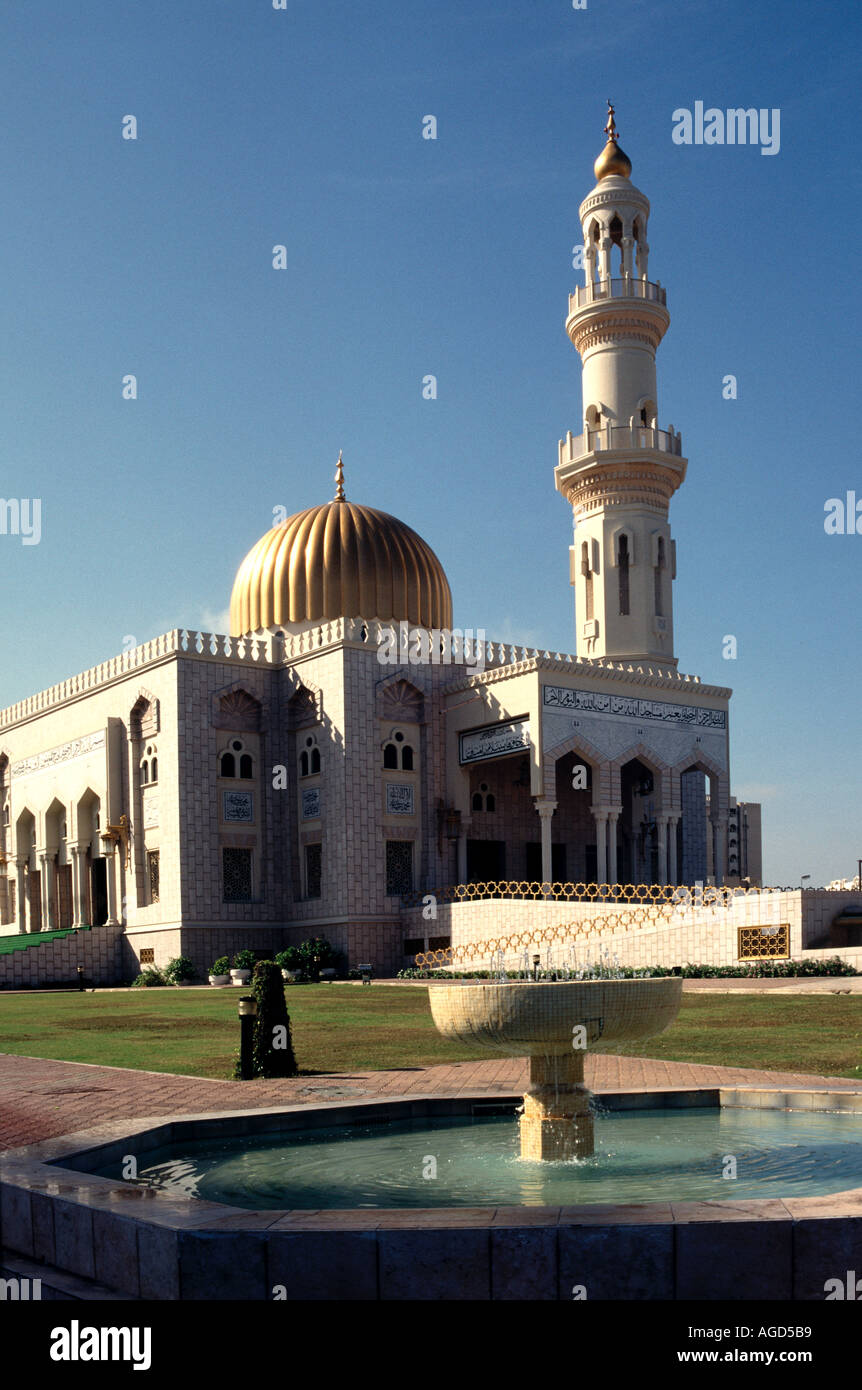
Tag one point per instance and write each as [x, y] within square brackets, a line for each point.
[752, 970]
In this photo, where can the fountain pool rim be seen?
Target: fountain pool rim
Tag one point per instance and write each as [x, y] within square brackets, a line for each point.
[142, 1243]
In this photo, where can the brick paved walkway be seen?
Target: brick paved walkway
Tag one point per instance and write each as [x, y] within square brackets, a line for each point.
[42, 1099]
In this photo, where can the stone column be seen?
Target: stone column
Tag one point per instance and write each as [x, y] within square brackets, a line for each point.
[110, 853]
[672, 870]
[461, 851]
[661, 823]
[719, 862]
[628, 244]
[613, 817]
[21, 867]
[600, 817]
[78, 861]
[590, 267]
[46, 874]
[546, 810]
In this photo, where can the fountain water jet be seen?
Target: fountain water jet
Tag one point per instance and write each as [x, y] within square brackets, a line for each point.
[555, 1023]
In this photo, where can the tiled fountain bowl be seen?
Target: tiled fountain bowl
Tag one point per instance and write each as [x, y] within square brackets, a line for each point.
[538, 1018]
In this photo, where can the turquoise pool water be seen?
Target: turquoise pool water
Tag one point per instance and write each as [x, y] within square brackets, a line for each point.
[641, 1156]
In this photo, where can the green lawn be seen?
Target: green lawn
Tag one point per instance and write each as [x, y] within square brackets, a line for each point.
[195, 1032]
[343, 1028]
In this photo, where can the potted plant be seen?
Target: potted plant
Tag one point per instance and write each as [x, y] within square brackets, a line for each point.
[220, 971]
[289, 963]
[179, 971]
[243, 964]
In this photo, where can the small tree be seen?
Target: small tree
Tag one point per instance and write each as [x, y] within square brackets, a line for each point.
[273, 1044]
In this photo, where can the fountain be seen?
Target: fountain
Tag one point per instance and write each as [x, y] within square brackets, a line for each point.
[555, 1023]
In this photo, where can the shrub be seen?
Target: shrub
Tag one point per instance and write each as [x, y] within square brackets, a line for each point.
[289, 959]
[244, 960]
[149, 978]
[220, 966]
[179, 969]
[320, 947]
[273, 1053]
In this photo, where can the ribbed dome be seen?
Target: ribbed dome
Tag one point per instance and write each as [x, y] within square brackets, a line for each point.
[339, 560]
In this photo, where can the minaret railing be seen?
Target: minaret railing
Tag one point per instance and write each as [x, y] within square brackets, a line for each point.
[627, 287]
[620, 437]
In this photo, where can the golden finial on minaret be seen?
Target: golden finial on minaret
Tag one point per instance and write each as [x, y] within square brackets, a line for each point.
[611, 128]
[612, 160]
[339, 480]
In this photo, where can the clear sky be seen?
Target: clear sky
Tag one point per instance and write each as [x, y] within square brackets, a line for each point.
[405, 256]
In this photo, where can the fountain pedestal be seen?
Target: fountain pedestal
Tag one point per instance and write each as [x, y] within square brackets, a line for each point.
[555, 1023]
[557, 1123]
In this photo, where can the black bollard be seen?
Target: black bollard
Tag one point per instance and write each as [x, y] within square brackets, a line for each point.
[247, 1016]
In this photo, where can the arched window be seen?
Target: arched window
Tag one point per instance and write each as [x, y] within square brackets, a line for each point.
[149, 765]
[659, 586]
[246, 767]
[407, 758]
[154, 770]
[145, 773]
[490, 802]
[390, 755]
[309, 758]
[587, 573]
[477, 801]
[227, 766]
[623, 566]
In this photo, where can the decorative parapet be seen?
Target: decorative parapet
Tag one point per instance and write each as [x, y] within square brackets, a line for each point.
[208, 646]
[274, 649]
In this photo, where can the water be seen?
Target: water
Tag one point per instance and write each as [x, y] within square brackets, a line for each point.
[641, 1156]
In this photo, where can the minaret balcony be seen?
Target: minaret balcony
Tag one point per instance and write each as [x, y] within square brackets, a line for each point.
[627, 287]
[619, 439]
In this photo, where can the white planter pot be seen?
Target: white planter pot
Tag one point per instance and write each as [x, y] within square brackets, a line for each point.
[240, 977]
[219, 979]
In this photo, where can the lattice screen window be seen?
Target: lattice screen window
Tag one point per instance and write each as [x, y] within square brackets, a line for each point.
[148, 955]
[764, 943]
[153, 874]
[236, 874]
[313, 870]
[399, 868]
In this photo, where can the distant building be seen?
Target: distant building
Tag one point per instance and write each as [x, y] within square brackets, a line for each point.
[744, 847]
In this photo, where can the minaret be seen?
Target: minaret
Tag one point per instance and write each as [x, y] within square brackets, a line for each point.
[621, 472]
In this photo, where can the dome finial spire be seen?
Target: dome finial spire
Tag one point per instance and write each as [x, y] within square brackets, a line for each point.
[611, 128]
[339, 480]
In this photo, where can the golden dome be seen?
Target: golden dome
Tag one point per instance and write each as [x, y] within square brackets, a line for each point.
[339, 560]
[612, 160]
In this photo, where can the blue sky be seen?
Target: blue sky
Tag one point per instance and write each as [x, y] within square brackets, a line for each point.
[405, 257]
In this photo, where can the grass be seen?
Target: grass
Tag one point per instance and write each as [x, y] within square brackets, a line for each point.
[819, 1034]
[195, 1032]
[339, 1028]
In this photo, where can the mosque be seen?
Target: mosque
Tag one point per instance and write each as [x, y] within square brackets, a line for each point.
[307, 775]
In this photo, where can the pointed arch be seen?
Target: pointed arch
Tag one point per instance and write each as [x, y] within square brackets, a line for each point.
[576, 743]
